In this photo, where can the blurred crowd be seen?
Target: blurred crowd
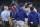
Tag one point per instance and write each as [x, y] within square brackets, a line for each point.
[19, 15]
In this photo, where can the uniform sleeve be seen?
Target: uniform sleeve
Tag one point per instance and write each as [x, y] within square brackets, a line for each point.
[29, 19]
[8, 14]
[26, 15]
[38, 18]
[35, 9]
[16, 15]
[27, 10]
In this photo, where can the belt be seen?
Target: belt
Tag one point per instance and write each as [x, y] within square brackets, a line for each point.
[5, 21]
[19, 20]
[12, 19]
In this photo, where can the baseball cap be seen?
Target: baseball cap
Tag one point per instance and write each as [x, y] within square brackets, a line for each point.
[29, 3]
[21, 5]
[13, 4]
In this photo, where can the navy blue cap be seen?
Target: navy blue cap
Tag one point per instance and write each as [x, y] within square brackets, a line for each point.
[13, 4]
[29, 3]
[21, 5]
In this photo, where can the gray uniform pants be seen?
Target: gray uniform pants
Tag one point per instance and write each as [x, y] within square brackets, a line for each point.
[20, 23]
[13, 22]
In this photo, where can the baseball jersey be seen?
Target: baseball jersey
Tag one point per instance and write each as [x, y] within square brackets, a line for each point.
[28, 10]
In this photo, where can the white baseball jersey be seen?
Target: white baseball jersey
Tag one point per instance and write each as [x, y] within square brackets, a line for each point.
[28, 10]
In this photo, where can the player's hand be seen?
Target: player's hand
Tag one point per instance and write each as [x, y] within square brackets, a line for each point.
[28, 26]
[25, 22]
[26, 3]
[11, 24]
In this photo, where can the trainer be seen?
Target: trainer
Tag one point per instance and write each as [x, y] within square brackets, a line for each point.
[6, 16]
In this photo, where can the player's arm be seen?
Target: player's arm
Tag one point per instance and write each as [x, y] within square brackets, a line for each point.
[29, 17]
[37, 18]
[35, 9]
[16, 15]
[26, 15]
[9, 18]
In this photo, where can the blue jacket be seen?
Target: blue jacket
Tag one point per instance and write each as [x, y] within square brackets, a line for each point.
[33, 17]
[21, 15]
[13, 13]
